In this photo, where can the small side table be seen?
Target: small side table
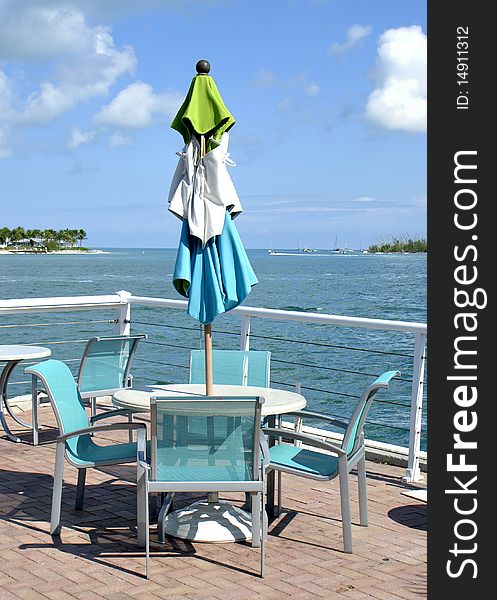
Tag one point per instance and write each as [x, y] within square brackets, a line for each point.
[12, 355]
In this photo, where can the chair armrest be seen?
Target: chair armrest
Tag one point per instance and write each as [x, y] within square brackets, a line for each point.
[304, 437]
[141, 450]
[142, 461]
[110, 413]
[314, 415]
[97, 428]
[264, 452]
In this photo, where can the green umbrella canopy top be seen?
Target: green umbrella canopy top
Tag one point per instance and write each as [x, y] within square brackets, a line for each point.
[203, 112]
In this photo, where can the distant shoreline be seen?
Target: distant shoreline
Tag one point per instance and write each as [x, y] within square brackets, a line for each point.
[45, 252]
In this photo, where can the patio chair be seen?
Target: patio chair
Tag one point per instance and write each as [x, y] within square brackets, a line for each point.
[336, 461]
[105, 366]
[181, 461]
[232, 367]
[75, 442]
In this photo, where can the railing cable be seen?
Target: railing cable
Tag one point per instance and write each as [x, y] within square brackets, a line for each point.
[288, 362]
[14, 325]
[279, 339]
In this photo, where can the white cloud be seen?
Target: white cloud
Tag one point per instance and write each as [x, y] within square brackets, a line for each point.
[82, 59]
[120, 8]
[355, 34]
[39, 33]
[399, 100]
[298, 79]
[5, 96]
[284, 104]
[5, 151]
[264, 79]
[312, 89]
[138, 106]
[364, 199]
[79, 138]
[119, 139]
[419, 201]
[297, 85]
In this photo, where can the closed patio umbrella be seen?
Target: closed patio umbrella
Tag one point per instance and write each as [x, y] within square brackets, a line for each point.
[212, 268]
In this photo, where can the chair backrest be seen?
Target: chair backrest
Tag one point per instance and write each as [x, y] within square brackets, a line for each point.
[205, 438]
[64, 396]
[232, 367]
[106, 363]
[353, 435]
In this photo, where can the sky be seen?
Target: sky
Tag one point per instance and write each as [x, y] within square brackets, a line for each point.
[329, 98]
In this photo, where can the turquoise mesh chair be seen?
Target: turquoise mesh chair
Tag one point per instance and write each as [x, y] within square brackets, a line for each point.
[184, 460]
[105, 366]
[232, 367]
[337, 461]
[75, 441]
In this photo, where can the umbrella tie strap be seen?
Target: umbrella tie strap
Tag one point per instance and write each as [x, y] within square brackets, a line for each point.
[229, 161]
[184, 156]
[203, 185]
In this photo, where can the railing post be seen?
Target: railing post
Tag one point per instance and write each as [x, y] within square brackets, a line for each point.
[245, 334]
[123, 314]
[413, 472]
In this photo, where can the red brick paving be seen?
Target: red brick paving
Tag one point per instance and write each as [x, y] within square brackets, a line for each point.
[97, 556]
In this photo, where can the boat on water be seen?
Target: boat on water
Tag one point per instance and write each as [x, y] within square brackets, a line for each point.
[309, 252]
[297, 252]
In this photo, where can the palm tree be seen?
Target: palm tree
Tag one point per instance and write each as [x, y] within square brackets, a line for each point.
[17, 234]
[36, 234]
[49, 234]
[4, 235]
[74, 236]
[81, 235]
[64, 237]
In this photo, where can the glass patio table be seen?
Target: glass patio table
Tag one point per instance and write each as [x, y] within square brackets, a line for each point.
[214, 520]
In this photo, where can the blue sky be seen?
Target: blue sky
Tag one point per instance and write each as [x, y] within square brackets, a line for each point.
[329, 98]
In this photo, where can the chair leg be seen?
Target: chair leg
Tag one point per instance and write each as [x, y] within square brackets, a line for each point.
[93, 406]
[57, 489]
[147, 553]
[345, 504]
[130, 433]
[142, 516]
[80, 490]
[262, 508]
[278, 510]
[165, 509]
[34, 402]
[256, 520]
[264, 518]
[363, 494]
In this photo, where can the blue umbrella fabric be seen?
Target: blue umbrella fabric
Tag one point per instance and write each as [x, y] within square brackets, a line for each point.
[216, 277]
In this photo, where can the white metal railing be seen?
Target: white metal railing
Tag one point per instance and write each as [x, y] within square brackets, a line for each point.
[122, 301]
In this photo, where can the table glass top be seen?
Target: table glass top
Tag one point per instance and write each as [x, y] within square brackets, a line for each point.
[22, 351]
[276, 401]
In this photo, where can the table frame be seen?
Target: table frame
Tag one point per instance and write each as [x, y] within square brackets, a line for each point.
[4, 401]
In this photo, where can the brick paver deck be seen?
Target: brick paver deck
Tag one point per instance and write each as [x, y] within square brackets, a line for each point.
[97, 557]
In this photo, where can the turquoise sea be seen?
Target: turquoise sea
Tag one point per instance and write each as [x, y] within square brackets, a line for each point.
[332, 364]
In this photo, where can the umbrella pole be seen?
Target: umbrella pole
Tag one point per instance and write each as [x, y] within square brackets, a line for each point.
[208, 359]
[207, 328]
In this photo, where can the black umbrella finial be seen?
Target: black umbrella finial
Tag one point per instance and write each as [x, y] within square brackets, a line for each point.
[203, 67]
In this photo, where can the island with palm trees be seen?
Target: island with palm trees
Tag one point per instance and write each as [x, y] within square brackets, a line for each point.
[42, 241]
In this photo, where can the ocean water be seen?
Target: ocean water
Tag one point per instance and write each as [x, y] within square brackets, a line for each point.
[333, 364]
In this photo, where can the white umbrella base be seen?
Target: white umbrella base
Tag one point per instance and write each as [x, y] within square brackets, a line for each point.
[209, 522]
